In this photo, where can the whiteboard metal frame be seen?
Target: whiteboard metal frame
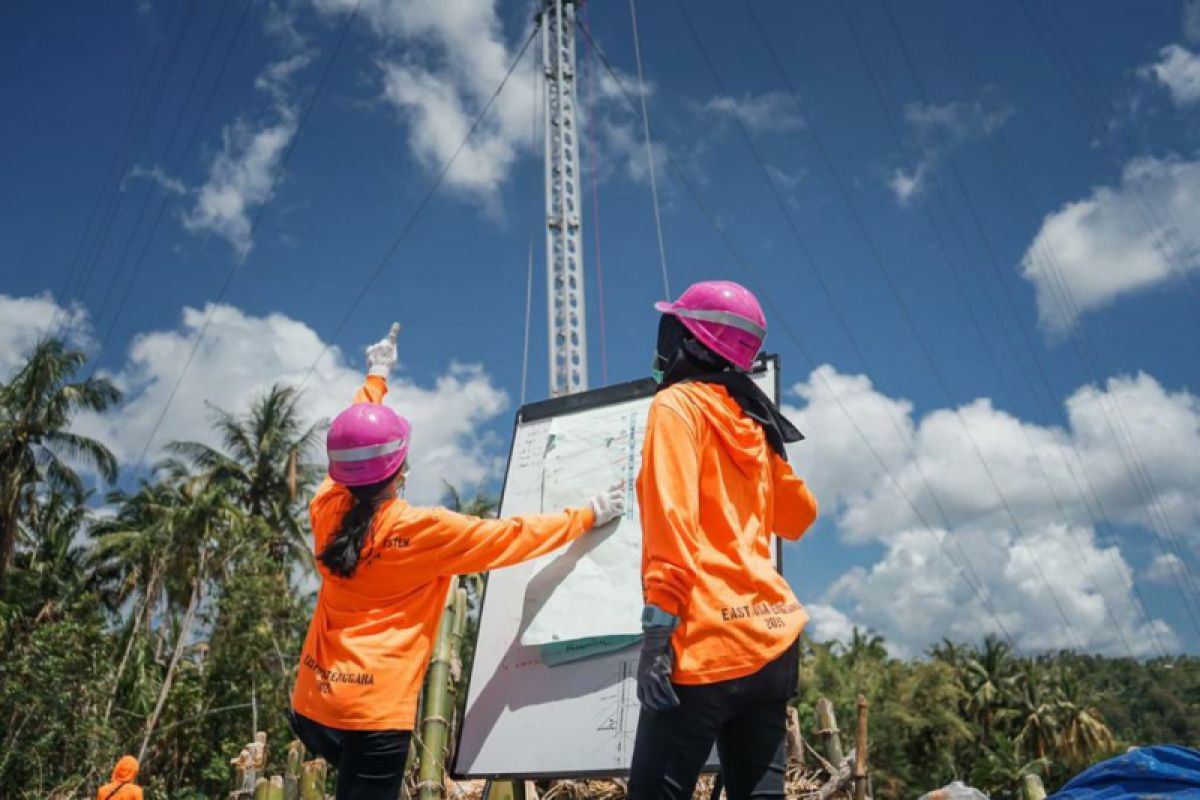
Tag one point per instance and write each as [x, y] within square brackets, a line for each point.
[544, 409]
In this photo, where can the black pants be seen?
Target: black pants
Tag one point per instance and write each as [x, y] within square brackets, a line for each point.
[747, 720]
[370, 764]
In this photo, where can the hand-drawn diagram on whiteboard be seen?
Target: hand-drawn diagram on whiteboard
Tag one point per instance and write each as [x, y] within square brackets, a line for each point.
[528, 714]
[584, 455]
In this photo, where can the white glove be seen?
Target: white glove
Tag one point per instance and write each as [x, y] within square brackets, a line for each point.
[608, 505]
[381, 356]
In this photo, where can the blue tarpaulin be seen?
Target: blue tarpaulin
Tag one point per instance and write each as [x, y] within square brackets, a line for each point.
[1163, 771]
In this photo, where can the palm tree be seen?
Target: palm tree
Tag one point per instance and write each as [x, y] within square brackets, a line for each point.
[264, 464]
[987, 676]
[129, 561]
[52, 561]
[200, 527]
[1084, 732]
[1036, 709]
[36, 409]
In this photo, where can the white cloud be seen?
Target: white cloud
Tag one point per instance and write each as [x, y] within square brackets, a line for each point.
[26, 320]
[773, 112]
[1117, 241]
[1191, 20]
[914, 594]
[1178, 69]
[157, 174]
[906, 184]
[1166, 569]
[244, 173]
[242, 356]
[828, 624]
[934, 127]
[454, 55]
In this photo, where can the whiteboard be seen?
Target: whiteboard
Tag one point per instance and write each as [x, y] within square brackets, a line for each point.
[525, 719]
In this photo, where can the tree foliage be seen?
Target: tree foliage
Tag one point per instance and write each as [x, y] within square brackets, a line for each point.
[167, 617]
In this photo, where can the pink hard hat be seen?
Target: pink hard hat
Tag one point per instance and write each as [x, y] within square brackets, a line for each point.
[366, 444]
[725, 317]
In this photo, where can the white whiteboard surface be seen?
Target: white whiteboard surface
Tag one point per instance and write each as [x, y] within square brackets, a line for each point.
[523, 718]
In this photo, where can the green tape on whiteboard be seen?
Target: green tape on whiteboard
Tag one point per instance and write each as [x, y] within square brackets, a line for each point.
[557, 653]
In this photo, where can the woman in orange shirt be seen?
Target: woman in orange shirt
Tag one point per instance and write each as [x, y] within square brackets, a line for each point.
[721, 626]
[386, 570]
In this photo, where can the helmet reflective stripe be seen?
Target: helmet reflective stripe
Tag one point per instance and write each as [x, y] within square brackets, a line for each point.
[722, 318]
[365, 453]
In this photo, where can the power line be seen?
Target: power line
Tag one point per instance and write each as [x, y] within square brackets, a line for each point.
[420, 208]
[1013, 169]
[637, 54]
[973, 211]
[965, 569]
[91, 264]
[109, 178]
[238, 260]
[865, 234]
[906, 314]
[167, 201]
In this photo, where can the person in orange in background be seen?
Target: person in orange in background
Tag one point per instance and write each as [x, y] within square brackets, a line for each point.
[720, 652]
[386, 569]
[122, 786]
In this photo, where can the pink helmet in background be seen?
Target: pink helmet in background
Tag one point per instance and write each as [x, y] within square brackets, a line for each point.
[366, 444]
[725, 317]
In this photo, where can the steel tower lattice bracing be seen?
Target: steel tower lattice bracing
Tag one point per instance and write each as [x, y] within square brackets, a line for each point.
[564, 231]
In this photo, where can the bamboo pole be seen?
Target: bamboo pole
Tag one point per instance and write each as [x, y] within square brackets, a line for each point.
[1032, 788]
[312, 781]
[860, 752]
[275, 790]
[262, 789]
[795, 741]
[439, 706]
[827, 730]
[293, 771]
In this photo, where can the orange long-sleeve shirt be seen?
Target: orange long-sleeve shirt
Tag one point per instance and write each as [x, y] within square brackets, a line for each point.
[372, 634]
[711, 493]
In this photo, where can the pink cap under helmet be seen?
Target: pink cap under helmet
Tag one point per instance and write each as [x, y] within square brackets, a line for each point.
[366, 444]
[724, 316]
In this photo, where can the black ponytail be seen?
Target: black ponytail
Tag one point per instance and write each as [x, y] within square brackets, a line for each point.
[343, 551]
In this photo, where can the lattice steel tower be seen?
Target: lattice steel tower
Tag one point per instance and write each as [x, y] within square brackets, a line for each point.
[564, 233]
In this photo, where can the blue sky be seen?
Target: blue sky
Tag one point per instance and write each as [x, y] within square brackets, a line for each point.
[997, 158]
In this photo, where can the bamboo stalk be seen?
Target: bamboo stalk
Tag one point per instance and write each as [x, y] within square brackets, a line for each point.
[795, 741]
[275, 789]
[439, 706]
[262, 789]
[312, 782]
[860, 752]
[293, 771]
[827, 731]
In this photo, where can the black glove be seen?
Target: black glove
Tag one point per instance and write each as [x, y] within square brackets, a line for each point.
[657, 661]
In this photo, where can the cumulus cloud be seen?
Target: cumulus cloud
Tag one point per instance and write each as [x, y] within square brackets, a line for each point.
[440, 64]
[916, 595]
[26, 320]
[1118, 241]
[1166, 568]
[773, 112]
[934, 127]
[1178, 69]
[241, 357]
[244, 173]
[886, 476]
